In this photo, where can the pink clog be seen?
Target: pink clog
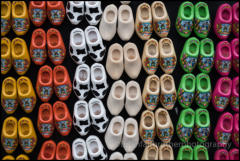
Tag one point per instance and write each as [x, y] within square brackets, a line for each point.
[222, 94]
[223, 21]
[235, 135]
[221, 154]
[223, 60]
[223, 130]
[235, 95]
[236, 19]
[235, 54]
[234, 154]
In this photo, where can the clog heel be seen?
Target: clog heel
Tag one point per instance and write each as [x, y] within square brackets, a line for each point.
[63, 151]
[189, 55]
[234, 154]
[150, 152]
[235, 54]
[20, 19]
[55, 12]
[48, 151]
[185, 125]
[200, 153]
[6, 57]
[184, 21]
[62, 117]
[45, 120]
[223, 130]
[202, 24]
[9, 95]
[37, 12]
[38, 51]
[235, 95]
[235, 135]
[202, 125]
[5, 17]
[186, 91]
[27, 135]
[22, 157]
[236, 19]
[20, 56]
[206, 56]
[222, 94]
[9, 135]
[26, 94]
[185, 153]
[62, 83]
[221, 154]
[203, 90]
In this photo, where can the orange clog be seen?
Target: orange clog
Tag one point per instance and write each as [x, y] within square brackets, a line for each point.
[47, 151]
[56, 12]
[63, 151]
[37, 12]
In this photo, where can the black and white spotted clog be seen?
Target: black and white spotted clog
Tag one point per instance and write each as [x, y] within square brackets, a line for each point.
[93, 12]
[79, 150]
[75, 11]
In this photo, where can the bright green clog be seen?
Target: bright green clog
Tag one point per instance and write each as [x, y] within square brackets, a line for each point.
[200, 153]
[202, 23]
[206, 56]
[184, 22]
[189, 55]
[185, 125]
[202, 125]
[186, 90]
[185, 153]
[203, 90]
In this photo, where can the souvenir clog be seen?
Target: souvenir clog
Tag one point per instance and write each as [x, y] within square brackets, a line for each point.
[55, 12]
[6, 8]
[6, 57]
[37, 12]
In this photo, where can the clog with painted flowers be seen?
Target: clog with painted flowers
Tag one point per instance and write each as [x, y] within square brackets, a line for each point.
[6, 57]
[20, 19]
[37, 12]
[44, 86]
[20, 56]
[234, 102]
[22, 157]
[26, 94]
[48, 151]
[8, 157]
[5, 17]
[27, 135]
[62, 117]
[185, 153]
[56, 47]
[9, 100]
[63, 151]
[55, 12]
[9, 135]
[236, 19]
[200, 153]
[38, 51]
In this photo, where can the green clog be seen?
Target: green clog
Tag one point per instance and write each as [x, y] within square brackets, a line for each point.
[186, 90]
[203, 90]
[202, 23]
[206, 56]
[189, 55]
[200, 153]
[202, 125]
[185, 153]
[185, 125]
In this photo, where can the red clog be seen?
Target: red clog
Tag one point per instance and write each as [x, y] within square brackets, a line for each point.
[63, 119]
[45, 120]
[62, 83]
[56, 12]
[48, 151]
[63, 151]
[56, 47]
[38, 50]
[37, 12]
[44, 84]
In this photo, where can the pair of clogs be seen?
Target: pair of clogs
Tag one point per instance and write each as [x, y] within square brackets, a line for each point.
[47, 44]
[14, 54]
[14, 14]
[119, 156]
[20, 157]
[223, 154]
[56, 80]
[188, 153]
[164, 152]
[18, 92]
[22, 132]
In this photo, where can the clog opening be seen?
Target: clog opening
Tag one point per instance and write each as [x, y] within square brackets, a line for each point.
[166, 48]
[159, 11]
[225, 87]
[225, 52]
[10, 127]
[81, 111]
[80, 150]
[203, 119]
[152, 49]
[186, 155]
[153, 85]
[189, 83]
[38, 2]
[187, 11]
[4, 9]
[45, 114]
[39, 40]
[119, 92]
[19, 10]
[148, 121]
[162, 118]
[223, 156]
[93, 36]
[18, 48]
[98, 74]
[168, 85]
[188, 118]
[83, 75]
[94, 147]
[145, 13]
[9, 88]
[96, 109]
[24, 87]
[226, 14]
[116, 128]
[202, 155]
[130, 129]
[110, 16]
[62, 152]
[125, 15]
[53, 3]
[202, 12]
[166, 154]
[92, 2]
[60, 76]
[227, 124]
[116, 55]
[152, 154]
[78, 39]
[60, 112]
[45, 78]
[193, 48]
[132, 92]
[131, 54]
[25, 128]
[48, 151]
[204, 83]
[4, 49]
[54, 39]
[207, 48]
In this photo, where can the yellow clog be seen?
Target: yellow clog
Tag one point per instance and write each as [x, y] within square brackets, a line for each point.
[27, 135]
[26, 94]
[20, 56]
[9, 95]
[8, 157]
[9, 137]
[6, 57]
[5, 17]
[20, 19]
[22, 157]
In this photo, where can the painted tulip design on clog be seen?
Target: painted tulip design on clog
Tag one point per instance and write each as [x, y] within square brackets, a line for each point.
[62, 83]
[235, 95]
[235, 54]
[235, 135]
[62, 117]
[222, 94]
[223, 21]
[223, 60]
[37, 12]
[234, 154]
[200, 153]
[5, 17]
[189, 55]
[6, 57]
[48, 151]
[202, 125]
[223, 130]
[236, 19]
[56, 47]
[45, 120]
[55, 12]
[44, 86]
[184, 22]
[185, 153]
[63, 151]
[9, 137]
[221, 154]
[38, 51]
